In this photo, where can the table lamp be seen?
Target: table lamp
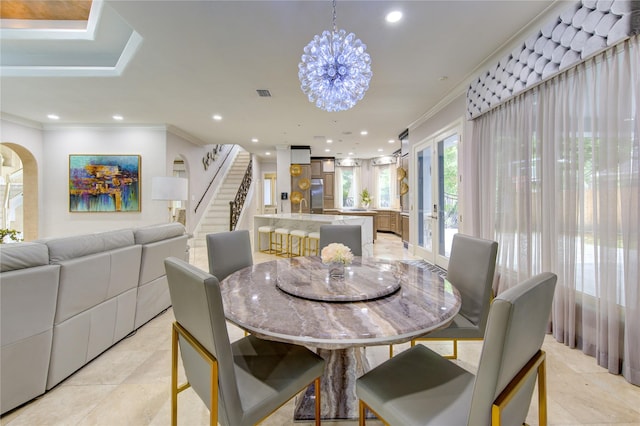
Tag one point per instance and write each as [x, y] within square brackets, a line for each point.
[169, 188]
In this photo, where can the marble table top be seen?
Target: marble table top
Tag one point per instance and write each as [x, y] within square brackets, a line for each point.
[253, 301]
[363, 279]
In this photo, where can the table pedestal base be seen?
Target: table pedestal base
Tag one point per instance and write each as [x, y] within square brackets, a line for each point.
[337, 386]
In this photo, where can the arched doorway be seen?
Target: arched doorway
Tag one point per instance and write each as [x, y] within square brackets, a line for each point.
[180, 207]
[19, 178]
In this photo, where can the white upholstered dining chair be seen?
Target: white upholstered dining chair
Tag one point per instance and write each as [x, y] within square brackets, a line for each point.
[241, 382]
[471, 270]
[420, 387]
[228, 252]
[349, 235]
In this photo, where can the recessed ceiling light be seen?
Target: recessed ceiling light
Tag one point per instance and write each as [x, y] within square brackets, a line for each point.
[267, 153]
[217, 117]
[53, 117]
[118, 117]
[443, 78]
[351, 153]
[364, 133]
[393, 17]
[380, 149]
[254, 140]
[327, 150]
[329, 140]
[392, 141]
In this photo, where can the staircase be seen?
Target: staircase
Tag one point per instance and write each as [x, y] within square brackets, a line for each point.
[216, 218]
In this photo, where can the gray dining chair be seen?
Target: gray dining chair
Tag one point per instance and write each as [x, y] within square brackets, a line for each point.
[242, 382]
[228, 252]
[349, 235]
[420, 387]
[471, 270]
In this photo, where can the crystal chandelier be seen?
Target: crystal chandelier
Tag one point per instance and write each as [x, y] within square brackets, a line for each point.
[335, 70]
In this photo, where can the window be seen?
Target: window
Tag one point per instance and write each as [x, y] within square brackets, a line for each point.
[385, 181]
[269, 190]
[348, 186]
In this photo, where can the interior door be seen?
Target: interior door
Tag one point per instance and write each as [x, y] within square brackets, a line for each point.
[437, 203]
[425, 214]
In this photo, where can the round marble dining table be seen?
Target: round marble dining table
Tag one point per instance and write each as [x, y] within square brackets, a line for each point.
[378, 302]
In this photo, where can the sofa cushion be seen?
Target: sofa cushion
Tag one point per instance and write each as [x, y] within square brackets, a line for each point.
[117, 239]
[153, 233]
[61, 249]
[22, 256]
[28, 302]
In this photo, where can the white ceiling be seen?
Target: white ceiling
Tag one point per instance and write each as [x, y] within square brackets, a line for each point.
[177, 63]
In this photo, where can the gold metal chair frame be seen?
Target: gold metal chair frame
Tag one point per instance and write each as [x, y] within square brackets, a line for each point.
[178, 330]
[301, 243]
[280, 242]
[454, 355]
[315, 250]
[536, 363]
[271, 248]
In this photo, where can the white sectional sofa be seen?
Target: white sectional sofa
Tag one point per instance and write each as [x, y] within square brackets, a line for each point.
[64, 301]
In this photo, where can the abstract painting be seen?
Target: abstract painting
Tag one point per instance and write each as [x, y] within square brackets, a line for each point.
[104, 183]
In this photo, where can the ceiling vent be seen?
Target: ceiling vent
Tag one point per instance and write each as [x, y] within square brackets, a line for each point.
[263, 93]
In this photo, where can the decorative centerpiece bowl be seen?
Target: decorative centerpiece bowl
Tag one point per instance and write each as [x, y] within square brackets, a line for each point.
[336, 256]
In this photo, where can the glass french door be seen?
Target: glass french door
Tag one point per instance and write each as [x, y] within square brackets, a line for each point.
[436, 183]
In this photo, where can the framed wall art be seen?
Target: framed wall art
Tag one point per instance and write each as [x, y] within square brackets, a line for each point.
[104, 183]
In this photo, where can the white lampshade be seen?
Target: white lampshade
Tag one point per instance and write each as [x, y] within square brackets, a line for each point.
[169, 188]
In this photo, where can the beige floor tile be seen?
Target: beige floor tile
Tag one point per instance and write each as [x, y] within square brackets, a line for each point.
[128, 404]
[110, 368]
[64, 405]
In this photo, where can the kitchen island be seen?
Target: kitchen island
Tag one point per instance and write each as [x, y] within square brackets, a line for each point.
[311, 223]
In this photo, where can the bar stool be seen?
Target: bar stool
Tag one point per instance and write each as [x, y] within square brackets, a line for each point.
[266, 230]
[282, 242]
[313, 237]
[298, 236]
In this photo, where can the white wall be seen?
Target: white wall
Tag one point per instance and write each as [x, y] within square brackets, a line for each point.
[52, 145]
[453, 112]
[283, 179]
[199, 177]
[60, 142]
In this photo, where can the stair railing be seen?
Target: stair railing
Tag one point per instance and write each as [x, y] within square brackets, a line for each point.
[235, 206]
[195, 210]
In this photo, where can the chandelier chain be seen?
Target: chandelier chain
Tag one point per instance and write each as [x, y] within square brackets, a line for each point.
[335, 27]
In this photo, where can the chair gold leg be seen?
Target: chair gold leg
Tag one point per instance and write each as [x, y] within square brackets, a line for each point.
[390, 351]
[318, 405]
[361, 414]
[542, 393]
[174, 376]
[213, 385]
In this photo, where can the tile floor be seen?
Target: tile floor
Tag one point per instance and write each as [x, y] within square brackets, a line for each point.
[129, 383]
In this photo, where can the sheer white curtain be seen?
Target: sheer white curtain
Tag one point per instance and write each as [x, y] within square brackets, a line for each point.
[385, 186]
[558, 187]
[347, 185]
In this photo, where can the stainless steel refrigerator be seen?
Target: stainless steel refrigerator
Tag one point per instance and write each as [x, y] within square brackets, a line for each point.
[317, 196]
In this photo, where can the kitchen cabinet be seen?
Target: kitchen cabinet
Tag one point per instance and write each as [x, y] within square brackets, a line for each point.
[328, 181]
[394, 219]
[316, 169]
[384, 220]
[389, 221]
